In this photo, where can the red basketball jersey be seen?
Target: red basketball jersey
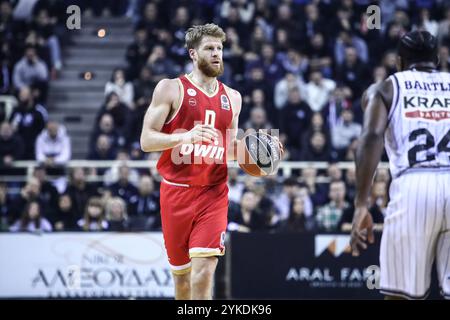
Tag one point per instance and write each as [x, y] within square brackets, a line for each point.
[198, 164]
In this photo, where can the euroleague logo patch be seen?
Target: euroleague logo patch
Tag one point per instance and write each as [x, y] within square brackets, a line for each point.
[225, 103]
[191, 92]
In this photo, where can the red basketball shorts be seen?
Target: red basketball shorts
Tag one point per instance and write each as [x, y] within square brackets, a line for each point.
[194, 221]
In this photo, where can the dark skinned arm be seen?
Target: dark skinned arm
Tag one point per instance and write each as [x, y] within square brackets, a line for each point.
[376, 102]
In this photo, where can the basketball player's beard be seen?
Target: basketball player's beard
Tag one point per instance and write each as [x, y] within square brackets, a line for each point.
[208, 70]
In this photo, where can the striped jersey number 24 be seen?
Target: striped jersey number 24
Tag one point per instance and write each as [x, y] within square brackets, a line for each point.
[443, 145]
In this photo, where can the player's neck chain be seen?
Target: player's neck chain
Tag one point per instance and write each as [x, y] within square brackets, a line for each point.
[209, 90]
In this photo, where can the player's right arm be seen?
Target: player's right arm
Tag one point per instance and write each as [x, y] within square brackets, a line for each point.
[376, 104]
[166, 95]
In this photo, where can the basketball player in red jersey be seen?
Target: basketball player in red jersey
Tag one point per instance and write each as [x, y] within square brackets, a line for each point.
[194, 119]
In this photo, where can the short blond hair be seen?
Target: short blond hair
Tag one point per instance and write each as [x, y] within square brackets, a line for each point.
[195, 34]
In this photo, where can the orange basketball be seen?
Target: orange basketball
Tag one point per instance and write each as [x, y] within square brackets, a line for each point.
[258, 154]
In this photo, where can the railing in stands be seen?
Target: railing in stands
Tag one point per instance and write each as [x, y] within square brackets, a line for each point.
[286, 167]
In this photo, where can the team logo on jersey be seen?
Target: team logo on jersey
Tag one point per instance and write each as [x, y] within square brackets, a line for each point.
[426, 108]
[191, 92]
[192, 102]
[225, 103]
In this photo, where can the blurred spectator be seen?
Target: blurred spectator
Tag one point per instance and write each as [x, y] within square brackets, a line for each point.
[258, 120]
[138, 51]
[379, 74]
[389, 62]
[255, 80]
[143, 88]
[427, 23]
[151, 19]
[136, 152]
[312, 24]
[444, 29]
[30, 71]
[79, 190]
[104, 8]
[294, 62]
[123, 188]
[5, 204]
[317, 125]
[295, 120]
[245, 9]
[32, 220]
[94, 216]
[28, 119]
[178, 27]
[320, 55]
[105, 126]
[377, 206]
[44, 25]
[233, 53]
[66, 217]
[350, 184]
[112, 174]
[347, 40]
[122, 87]
[285, 20]
[235, 188]
[119, 113]
[352, 72]
[257, 99]
[30, 192]
[160, 65]
[116, 214]
[284, 200]
[245, 219]
[103, 149]
[309, 179]
[48, 194]
[53, 145]
[318, 90]
[329, 216]
[271, 67]
[144, 208]
[11, 145]
[334, 172]
[339, 100]
[343, 133]
[308, 204]
[297, 221]
[316, 149]
[284, 86]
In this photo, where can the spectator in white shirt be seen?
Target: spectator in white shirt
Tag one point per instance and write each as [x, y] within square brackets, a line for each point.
[53, 145]
[283, 87]
[123, 88]
[318, 90]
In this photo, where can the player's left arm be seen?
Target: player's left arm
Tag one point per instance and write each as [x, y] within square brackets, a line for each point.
[236, 105]
[367, 157]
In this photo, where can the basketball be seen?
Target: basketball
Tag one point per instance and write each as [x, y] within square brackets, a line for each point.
[259, 154]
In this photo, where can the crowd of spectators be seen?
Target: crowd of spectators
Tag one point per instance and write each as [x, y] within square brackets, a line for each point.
[300, 65]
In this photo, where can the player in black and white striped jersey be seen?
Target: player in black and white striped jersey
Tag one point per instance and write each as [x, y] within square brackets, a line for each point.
[411, 109]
